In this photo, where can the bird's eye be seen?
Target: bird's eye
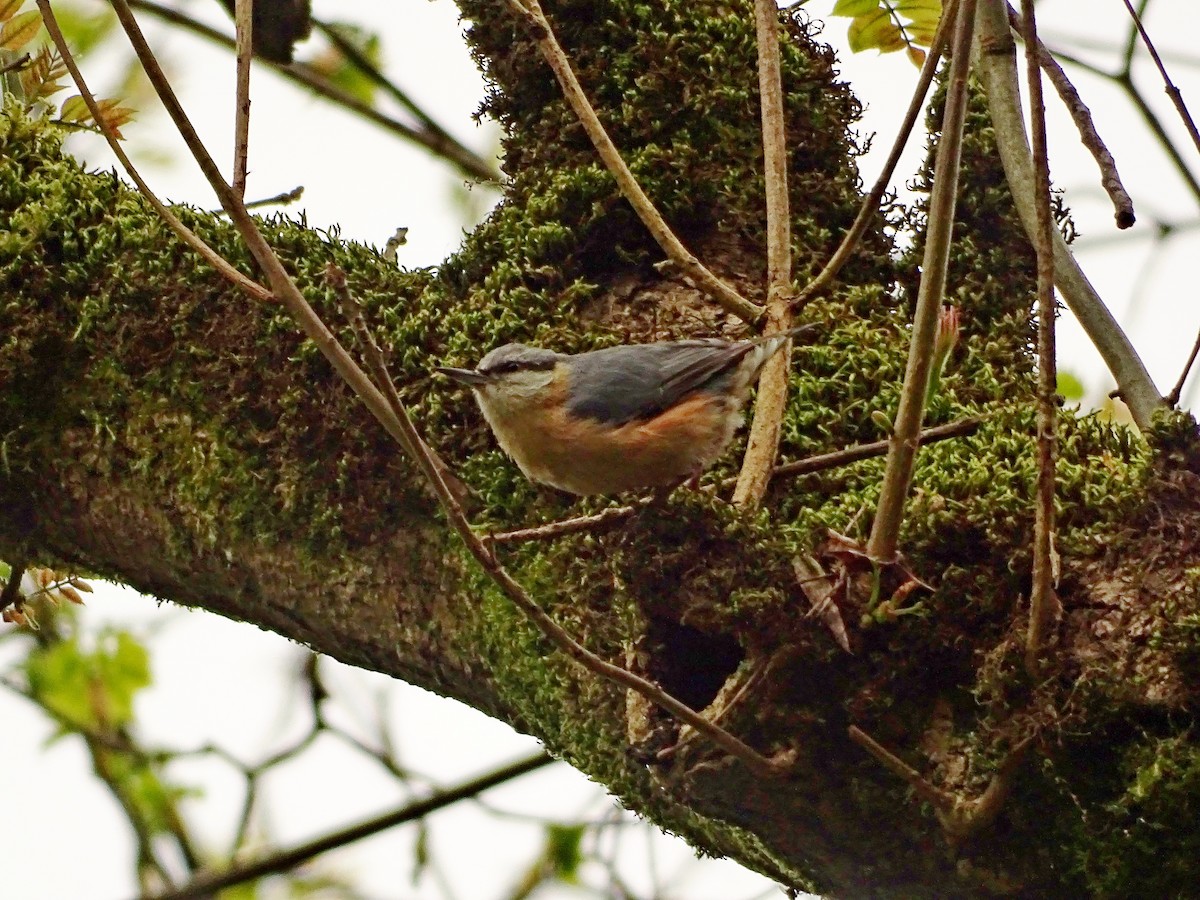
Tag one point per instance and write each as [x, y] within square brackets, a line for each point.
[505, 367]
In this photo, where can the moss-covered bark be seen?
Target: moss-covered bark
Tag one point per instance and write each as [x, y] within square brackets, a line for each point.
[164, 431]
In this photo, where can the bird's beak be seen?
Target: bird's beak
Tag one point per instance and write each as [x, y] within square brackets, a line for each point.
[469, 377]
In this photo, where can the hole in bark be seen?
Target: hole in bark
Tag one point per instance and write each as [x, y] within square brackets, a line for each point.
[691, 664]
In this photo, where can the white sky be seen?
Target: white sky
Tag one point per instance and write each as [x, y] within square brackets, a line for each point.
[217, 680]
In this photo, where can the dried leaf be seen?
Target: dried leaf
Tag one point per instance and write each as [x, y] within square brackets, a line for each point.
[8, 8]
[20, 30]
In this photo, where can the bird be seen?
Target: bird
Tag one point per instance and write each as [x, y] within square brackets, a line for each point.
[624, 418]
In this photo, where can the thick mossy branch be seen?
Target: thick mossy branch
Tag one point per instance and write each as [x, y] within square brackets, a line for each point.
[163, 430]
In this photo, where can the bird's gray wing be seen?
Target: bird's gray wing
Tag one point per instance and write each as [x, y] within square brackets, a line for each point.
[639, 381]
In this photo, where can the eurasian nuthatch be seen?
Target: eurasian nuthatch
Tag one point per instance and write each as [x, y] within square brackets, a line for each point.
[634, 416]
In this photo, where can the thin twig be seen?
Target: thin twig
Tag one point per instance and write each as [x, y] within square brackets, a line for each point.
[1177, 391]
[1169, 86]
[11, 595]
[551, 530]
[998, 73]
[359, 60]
[437, 141]
[14, 65]
[942, 800]
[1043, 604]
[870, 204]
[210, 256]
[771, 403]
[807, 466]
[281, 199]
[902, 452]
[377, 366]
[838, 458]
[244, 29]
[205, 885]
[959, 816]
[392, 414]
[552, 52]
[1110, 179]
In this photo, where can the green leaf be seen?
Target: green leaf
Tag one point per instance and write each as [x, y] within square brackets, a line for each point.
[90, 691]
[564, 850]
[20, 30]
[872, 31]
[1070, 387]
[854, 8]
[74, 109]
[338, 69]
[84, 31]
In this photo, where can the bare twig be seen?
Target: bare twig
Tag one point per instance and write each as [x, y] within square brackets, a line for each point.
[839, 458]
[959, 816]
[377, 366]
[771, 404]
[1110, 179]
[364, 65]
[436, 140]
[281, 199]
[998, 73]
[807, 466]
[1043, 604]
[205, 885]
[943, 801]
[885, 530]
[244, 28]
[11, 594]
[1173, 397]
[531, 12]
[1169, 86]
[210, 256]
[392, 414]
[15, 65]
[870, 204]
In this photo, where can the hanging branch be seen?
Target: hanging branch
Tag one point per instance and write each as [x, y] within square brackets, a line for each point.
[725, 295]
[390, 410]
[433, 138]
[244, 28]
[998, 74]
[902, 451]
[763, 441]
[207, 884]
[870, 204]
[1043, 604]
[1110, 179]
[1169, 86]
[189, 237]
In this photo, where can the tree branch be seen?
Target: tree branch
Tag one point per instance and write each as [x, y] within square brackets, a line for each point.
[204, 885]
[771, 404]
[434, 139]
[390, 411]
[870, 203]
[998, 73]
[902, 452]
[720, 291]
[1110, 179]
[1043, 604]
